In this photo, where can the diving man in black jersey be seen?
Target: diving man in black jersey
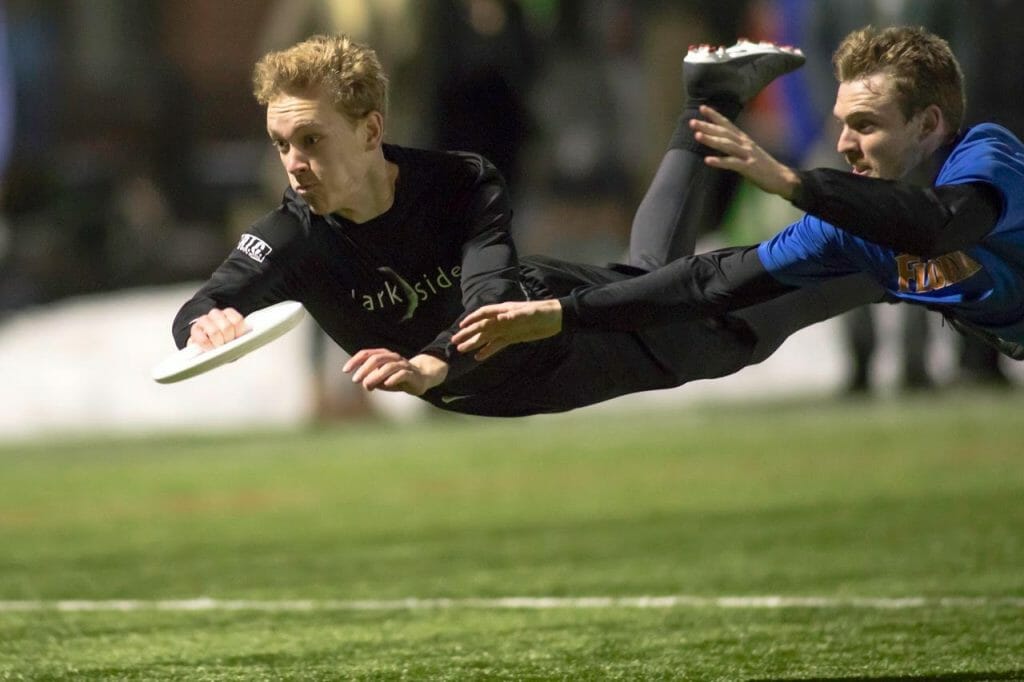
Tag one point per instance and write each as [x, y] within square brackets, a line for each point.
[388, 248]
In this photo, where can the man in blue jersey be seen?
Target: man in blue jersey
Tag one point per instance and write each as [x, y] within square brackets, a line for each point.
[933, 213]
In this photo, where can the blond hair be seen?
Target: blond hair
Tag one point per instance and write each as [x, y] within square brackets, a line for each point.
[348, 72]
[921, 65]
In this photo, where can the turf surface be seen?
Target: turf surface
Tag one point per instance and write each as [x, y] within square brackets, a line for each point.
[842, 501]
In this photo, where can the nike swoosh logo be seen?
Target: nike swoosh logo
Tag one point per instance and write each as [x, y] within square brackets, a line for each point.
[452, 398]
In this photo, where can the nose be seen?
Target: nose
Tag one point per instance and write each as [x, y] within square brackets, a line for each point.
[295, 162]
[847, 141]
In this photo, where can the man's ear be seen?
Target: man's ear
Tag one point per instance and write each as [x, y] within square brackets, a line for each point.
[932, 121]
[373, 130]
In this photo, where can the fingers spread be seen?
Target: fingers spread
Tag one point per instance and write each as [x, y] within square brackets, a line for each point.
[474, 317]
[360, 357]
[468, 343]
[712, 114]
[367, 368]
[351, 363]
[381, 377]
[373, 378]
[716, 142]
[397, 379]
[467, 331]
[472, 336]
[484, 313]
[725, 163]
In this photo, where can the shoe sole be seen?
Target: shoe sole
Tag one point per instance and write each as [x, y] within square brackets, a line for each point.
[706, 54]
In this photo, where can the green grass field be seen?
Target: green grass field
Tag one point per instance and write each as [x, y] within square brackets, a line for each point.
[309, 541]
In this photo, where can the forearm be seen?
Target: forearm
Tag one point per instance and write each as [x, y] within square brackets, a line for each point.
[696, 286]
[925, 221]
[210, 297]
[236, 283]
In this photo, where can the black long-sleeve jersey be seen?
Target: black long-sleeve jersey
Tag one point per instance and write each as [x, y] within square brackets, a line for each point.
[401, 280]
[921, 220]
[404, 279]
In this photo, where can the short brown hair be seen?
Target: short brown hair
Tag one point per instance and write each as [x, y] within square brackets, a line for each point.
[347, 71]
[921, 64]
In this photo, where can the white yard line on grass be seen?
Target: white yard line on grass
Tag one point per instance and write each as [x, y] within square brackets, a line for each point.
[537, 603]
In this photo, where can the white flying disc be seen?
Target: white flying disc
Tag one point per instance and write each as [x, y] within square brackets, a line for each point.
[264, 326]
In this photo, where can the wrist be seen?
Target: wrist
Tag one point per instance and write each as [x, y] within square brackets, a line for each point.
[553, 308]
[433, 369]
[791, 184]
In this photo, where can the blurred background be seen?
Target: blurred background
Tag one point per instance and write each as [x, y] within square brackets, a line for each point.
[132, 155]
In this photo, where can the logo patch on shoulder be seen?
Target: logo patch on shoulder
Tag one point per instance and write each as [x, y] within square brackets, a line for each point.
[254, 247]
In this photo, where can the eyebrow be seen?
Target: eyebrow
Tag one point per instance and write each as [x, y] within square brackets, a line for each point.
[858, 113]
[309, 123]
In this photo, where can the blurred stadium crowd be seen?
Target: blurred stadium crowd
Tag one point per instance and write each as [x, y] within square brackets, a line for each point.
[132, 153]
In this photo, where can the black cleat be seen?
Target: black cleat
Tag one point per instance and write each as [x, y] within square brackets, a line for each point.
[736, 73]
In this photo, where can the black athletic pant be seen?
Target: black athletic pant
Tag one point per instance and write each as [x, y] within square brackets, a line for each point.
[685, 200]
[577, 369]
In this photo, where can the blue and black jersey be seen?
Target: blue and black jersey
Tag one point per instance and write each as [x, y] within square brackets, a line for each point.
[956, 246]
[981, 282]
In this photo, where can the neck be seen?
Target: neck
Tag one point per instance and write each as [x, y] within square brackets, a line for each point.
[379, 194]
[925, 172]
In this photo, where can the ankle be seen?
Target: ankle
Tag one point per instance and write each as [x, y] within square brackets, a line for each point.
[682, 136]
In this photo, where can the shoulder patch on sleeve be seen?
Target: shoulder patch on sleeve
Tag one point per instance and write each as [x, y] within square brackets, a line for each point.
[254, 247]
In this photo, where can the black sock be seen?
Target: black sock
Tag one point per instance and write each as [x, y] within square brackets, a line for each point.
[682, 137]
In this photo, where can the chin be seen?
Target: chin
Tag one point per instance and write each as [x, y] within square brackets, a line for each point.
[315, 206]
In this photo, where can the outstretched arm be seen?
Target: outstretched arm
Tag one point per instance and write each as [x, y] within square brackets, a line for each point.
[924, 221]
[688, 288]
[240, 285]
[492, 328]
